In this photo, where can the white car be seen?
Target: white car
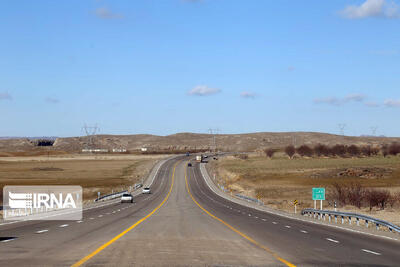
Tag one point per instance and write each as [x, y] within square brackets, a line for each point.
[127, 198]
[146, 190]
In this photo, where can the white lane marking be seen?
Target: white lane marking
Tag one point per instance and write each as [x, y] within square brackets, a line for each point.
[8, 240]
[113, 211]
[274, 222]
[264, 220]
[91, 218]
[332, 240]
[100, 216]
[79, 221]
[63, 225]
[304, 232]
[249, 215]
[256, 217]
[42, 231]
[372, 252]
[108, 213]
[288, 226]
[118, 210]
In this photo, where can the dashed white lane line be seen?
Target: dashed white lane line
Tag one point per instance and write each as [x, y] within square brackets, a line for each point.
[100, 216]
[256, 217]
[42, 231]
[332, 240]
[113, 211]
[304, 232]
[7, 240]
[108, 213]
[91, 218]
[371, 252]
[288, 226]
[63, 225]
[264, 220]
[79, 221]
[274, 222]
[249, 215]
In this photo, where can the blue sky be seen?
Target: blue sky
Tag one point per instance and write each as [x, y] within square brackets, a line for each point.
[168, 66]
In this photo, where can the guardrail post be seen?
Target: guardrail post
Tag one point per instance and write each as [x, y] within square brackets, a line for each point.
[358, 222]
[377, 226]
[319, 216]
[329, 218]
[366, 223]
[342, 219]
[349, 220]
[335, 218]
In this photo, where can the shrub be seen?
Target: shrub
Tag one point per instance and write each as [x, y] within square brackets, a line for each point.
[242, 156]
[394, 149]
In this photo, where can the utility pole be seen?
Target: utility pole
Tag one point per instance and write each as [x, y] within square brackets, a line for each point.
[342, 126]
[90, 132]
[213, 145]
[373, 130]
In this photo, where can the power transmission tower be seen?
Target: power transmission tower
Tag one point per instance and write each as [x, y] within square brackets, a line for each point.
[342, 126]
[373, 130]
[213, 132]
[90, 132]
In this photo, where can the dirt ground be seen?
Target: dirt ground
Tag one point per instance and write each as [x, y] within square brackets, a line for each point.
[95, 173]
[280, 181]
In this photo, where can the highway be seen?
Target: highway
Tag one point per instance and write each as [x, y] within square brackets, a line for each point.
[184, 223]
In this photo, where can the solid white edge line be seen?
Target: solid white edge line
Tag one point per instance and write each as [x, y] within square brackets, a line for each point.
[290, 217]
[42, 231]
[64, 225]
[8, 240]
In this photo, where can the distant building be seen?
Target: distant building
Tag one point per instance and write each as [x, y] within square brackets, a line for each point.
[119, 150]
[143, 149]
[94, 150]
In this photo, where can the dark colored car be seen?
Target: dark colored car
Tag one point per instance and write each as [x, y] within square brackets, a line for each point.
[189, 164]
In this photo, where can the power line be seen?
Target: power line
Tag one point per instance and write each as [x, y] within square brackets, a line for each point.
[213, 132]
[90, 132]
[341, 126]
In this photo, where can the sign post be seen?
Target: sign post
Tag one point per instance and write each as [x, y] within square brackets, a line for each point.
[295, 202]
[318, 194]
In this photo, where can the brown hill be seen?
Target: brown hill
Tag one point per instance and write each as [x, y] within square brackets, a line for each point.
[193, 141]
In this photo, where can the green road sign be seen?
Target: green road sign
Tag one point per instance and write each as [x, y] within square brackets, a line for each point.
[318, 193]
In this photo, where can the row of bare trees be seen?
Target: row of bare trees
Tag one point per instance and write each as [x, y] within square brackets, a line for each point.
[337, 150]
[356, 195]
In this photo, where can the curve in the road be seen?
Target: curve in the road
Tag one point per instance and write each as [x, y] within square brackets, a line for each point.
[287, 263]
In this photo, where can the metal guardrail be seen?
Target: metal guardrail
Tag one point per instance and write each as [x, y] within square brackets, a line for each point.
[111, 196]
[322, 214]
[250, 199]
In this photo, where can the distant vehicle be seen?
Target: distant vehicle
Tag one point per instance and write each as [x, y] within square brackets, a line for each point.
[199, 158]
[187, 154]
[126, 197]
[146, 190]
[189, 164]
[205, 156]
[215, 158]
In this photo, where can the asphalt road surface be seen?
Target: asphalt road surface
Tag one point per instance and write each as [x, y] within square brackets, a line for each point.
[184, 223]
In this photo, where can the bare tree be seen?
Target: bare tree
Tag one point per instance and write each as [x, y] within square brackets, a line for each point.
[394, 149]
[353, 150]
[290, 151]
[305, 150]
[269, 152]
[339, 150]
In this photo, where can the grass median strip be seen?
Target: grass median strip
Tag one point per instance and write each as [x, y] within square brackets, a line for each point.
[105, 245]
[287, 263]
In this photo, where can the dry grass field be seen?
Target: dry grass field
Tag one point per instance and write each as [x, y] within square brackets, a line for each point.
[93, 172]
[279, 181]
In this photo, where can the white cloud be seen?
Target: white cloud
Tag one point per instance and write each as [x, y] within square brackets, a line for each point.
[392, 103]
[203, 90]
[246, 94]
[335, 101]
[371, 8]
[106, 13]
[52, 100]
[5, 96]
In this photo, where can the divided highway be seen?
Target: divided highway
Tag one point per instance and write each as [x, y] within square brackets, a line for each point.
[184, 223]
